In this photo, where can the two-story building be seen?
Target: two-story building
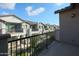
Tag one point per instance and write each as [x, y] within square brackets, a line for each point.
[11, 24]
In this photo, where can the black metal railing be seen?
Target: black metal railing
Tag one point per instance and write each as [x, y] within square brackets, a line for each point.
[31, 45]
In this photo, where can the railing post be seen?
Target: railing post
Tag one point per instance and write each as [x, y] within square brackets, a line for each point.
[4, 44]
[46, 40]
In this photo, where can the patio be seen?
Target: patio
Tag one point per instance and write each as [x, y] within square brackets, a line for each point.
[61, 49]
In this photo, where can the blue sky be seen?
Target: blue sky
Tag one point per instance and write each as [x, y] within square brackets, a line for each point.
[38, 12]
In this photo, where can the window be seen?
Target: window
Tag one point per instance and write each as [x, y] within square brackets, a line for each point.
[34, 28]
[0, 28]
[0, 25]
[9, 27]
[18, 28]
[40, 27]
[45, 27]
[14, 27]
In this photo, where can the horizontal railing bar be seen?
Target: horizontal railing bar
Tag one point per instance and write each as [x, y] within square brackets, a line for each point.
[27, 37]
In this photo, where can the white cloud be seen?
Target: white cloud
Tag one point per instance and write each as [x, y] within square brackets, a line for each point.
[29, 8]
[5, 13]
[34, 12]
[7, 5]
[58, 4]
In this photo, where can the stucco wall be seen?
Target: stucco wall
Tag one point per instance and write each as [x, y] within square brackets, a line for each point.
[41, 28]
[69, 26]
[3, 28]
[57, 32]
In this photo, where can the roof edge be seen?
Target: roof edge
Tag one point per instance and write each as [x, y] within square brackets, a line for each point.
[66, 8]
[12, 15]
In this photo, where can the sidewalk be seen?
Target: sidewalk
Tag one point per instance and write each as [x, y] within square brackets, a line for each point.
[60, 49]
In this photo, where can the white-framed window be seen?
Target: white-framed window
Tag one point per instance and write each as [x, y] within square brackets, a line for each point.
[11, 27]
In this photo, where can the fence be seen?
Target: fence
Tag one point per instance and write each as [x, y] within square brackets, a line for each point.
[29, 46]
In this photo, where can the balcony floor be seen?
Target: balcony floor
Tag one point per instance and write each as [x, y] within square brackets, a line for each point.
[61, 49]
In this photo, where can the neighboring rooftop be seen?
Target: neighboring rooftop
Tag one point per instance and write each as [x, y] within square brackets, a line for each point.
[31, 22]
[8, 18]
[11, 18]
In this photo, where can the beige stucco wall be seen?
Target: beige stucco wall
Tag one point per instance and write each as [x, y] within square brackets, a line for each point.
[56, 33]
[3, 28]
[41, 28]
[69, 26]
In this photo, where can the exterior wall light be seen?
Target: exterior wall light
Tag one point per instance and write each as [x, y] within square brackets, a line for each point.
[73, 14]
